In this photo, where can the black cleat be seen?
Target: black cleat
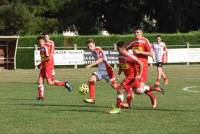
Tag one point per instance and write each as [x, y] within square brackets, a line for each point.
[68, 86]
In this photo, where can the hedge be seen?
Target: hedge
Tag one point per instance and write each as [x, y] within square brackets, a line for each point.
[25, 56]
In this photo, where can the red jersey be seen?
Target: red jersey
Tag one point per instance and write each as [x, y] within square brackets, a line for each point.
[142, 44]
[127, 63]
[51, 47]
[98, 53]
[44, 53]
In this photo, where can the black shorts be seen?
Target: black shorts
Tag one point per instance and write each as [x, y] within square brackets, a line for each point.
[159, 64]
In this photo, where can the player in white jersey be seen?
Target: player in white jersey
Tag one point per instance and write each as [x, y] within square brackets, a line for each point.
[160, 53]
[104, 70]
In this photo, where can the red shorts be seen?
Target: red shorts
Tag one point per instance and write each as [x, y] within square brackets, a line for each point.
[46, 72]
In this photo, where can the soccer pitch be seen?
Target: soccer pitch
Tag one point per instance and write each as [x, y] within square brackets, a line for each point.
[61, 112]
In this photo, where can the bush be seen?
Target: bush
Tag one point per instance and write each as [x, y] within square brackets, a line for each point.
[25, 56]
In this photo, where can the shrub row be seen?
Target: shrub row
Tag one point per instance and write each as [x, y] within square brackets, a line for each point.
[170, 39]
[25, 56]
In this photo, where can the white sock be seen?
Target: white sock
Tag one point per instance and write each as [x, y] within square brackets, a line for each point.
[121, 97]
[143, 89]
[41, 86]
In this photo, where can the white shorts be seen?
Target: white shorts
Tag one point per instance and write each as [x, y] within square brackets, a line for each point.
[102, 74]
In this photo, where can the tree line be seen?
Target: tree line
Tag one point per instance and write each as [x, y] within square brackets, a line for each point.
[27, 17]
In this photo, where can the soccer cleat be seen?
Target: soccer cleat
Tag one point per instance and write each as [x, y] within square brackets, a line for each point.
[40, 98]
[166, 81]
[91, 101]
[157, 82]
[68, 86]
[162, 90]
[158, 89]
[114, 110]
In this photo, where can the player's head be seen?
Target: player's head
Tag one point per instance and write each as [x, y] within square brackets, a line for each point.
[158, 39]
[91, 44]
[46, 36]
[120, 45]
[41, 41]
[138, 32]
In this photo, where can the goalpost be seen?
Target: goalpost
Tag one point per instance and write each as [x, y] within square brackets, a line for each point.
[8, 50]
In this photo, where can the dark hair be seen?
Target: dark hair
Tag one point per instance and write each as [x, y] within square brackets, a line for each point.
[137, 28]
[39, 38]
[89, 41]
[158, 36]
[120, 44]
[45, 34]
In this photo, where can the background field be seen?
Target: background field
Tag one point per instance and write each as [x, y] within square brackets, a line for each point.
[61, 112]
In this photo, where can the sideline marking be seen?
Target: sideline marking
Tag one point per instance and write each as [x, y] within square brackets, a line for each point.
[188, 89]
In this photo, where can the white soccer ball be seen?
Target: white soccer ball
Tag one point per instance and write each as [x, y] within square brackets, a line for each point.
[83, 89]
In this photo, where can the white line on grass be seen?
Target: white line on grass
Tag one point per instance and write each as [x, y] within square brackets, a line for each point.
[188, 89]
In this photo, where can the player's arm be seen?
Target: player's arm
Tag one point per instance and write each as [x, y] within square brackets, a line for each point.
[166, 52]
[98, 61]
[52, 49]
[119, 73]
[138, 76]
[148, 53]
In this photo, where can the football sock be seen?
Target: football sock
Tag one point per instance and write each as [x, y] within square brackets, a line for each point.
[92, 89]
[40, 90]
[143, 89]
[59, 83]
[120, 99]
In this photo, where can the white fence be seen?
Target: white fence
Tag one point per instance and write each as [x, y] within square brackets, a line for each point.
[81, 57]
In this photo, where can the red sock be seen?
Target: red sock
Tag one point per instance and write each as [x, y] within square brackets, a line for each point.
[119, 103]
[92, 89]
[59, 83]
[119, 100]
[129, 97]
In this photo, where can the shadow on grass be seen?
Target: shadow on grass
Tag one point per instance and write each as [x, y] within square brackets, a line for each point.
[55, 108]
[162, 109]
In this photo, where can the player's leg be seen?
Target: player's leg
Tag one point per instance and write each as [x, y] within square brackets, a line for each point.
[166, 80]
[51, 81]
[159, 73]
[95, 76]
[127, 86]
[40, 95]
[152, 98]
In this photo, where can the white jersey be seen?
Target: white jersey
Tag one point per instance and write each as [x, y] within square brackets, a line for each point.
[105, 70]
[160, 52]
[98, 53]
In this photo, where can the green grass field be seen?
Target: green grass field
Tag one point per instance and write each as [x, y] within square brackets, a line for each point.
[178, 111]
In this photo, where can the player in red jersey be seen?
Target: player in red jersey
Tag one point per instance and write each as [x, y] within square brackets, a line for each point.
[46, 70]
[104, 71]
[131, 82]
[127, 63]
[51, 45]
[141, 48]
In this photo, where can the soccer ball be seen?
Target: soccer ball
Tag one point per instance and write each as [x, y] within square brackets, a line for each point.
[83, 89]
